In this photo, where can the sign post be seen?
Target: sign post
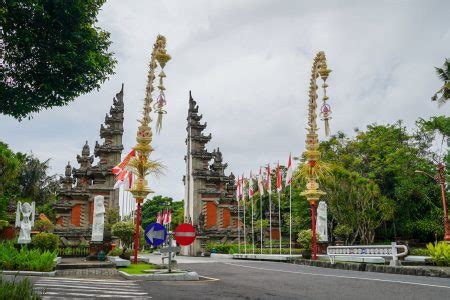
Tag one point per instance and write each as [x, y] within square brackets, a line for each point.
[170, 250]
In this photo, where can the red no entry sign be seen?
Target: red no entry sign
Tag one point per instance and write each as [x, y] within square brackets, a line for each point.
[185, 234]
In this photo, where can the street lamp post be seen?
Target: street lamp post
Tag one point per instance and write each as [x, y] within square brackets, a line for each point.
[441, 180]
[312, 167]
[142, 165]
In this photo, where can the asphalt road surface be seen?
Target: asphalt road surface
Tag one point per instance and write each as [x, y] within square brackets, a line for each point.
[238, 279]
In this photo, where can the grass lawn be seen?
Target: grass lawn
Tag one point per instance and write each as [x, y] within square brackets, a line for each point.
[138, 269]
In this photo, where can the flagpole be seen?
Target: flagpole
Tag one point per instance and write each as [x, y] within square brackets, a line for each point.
[290, 218]
[279, 217]
[253, 233]
[122, 204]
[261, 219]
[270, 221]
[239, 225]
[245, 236]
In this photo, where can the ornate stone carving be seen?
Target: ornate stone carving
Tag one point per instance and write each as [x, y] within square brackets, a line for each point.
[99, 219]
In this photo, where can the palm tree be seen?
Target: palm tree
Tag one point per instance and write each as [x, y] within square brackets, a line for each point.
[443, 94]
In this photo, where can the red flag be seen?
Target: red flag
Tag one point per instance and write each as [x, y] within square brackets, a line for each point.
[251, 191]
[242, 187]
[269, 181]
[121, 166]
[163, 219]
[279, 186]
[289, 172]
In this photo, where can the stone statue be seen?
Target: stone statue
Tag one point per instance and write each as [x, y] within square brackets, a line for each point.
[322, 228]
[99, 219]
[25, 224]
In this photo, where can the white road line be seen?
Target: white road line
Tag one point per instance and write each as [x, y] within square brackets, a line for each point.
[341, 276]
[86, 279]
[94, 295]
[37, 285]
[84, 282]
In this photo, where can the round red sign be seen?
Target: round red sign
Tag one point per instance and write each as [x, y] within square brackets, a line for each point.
[185, 234]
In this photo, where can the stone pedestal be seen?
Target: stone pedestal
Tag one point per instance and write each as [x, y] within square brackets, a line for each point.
[96, 247]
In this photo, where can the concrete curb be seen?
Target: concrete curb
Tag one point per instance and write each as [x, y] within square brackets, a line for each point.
[363, 267]
[266, 257]
[29, 273]
[187, 276]
[221, 256]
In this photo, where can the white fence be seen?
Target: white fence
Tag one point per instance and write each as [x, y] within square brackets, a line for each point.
[390, 252]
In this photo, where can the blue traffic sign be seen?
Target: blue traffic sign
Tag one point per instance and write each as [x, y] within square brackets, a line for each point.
[155, 234]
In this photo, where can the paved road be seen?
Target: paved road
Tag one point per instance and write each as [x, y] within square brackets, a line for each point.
[270, 280]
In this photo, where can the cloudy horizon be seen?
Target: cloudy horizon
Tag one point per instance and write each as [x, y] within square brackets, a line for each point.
[248, 64]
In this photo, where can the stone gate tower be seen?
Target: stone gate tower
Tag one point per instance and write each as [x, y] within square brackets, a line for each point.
[210, 201]
[74, 209]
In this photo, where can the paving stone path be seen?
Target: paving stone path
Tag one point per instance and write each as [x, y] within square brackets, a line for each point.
[76, 288]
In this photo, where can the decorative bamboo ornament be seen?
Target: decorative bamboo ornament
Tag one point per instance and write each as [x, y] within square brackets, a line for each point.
[312, 154]
[142, 165]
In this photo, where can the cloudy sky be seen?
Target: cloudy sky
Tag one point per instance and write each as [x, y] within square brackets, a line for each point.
[247, 64]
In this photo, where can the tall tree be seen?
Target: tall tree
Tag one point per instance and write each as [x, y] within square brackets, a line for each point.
[51, 52]
[443, 94]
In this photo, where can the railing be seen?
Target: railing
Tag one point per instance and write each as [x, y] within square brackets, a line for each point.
[73, 251]
[385, 251]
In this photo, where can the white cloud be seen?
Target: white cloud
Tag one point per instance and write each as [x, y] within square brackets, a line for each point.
[247, 64]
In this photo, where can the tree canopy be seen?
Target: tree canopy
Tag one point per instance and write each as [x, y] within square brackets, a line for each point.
[51, 52]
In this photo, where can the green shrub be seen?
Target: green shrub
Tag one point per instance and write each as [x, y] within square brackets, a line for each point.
[342, 232]
[43, 226]
[46, 241]
[305, 239]
[3, 224]
[17, 289]
[124, 231]
[419, 252]
[25, 259]
[115, 252]
[440, 254]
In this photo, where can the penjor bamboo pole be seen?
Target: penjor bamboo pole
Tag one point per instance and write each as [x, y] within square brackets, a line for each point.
[239, 226]
[270, 221]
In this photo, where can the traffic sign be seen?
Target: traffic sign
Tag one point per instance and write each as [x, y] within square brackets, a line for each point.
[185, 234]
[155, 234]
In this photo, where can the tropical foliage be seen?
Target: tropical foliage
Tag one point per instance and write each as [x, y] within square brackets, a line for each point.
[52, 52]
[25, 259]
[45, 241]
[159, 203]
[18, 289]
[440, 253]
[443, 94]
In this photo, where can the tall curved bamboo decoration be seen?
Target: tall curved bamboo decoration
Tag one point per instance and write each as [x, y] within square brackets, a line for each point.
[313, 167]
[142, 165]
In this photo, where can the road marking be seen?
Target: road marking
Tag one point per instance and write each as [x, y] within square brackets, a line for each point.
[342, 276]
[209, 278]
[92, 288]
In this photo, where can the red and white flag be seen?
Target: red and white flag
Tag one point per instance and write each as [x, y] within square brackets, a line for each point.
[289, 172]
[159, 218]
[251, 191]
[260, 183]
[242, 187]
[167, 217]
[120, 178]
[163, 218]
[279, 185]
[121, 166]
[238, 189]
[128, 181]
[269, 181]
